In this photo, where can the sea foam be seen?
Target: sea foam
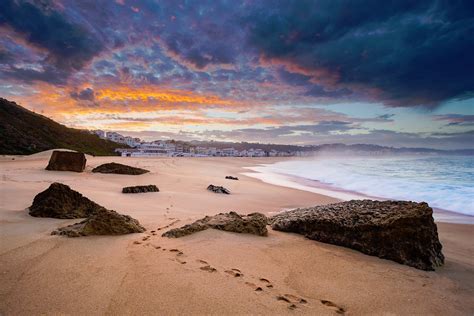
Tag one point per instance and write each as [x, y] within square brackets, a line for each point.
[443, 182]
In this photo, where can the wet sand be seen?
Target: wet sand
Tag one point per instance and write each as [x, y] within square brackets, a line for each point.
[211, 272]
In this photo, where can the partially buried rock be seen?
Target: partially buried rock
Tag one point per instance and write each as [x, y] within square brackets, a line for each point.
[218, 189]
[118, 168]
[67, 161]
[104, 222]
[231, 178]
[255, 223]
[141, 189]
[60, 201]
[401, 231]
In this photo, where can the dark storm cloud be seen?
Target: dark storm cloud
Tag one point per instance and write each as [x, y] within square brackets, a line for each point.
[69, 45]
[415, 52]
[48, 74]
[402, 52]
[87, 95]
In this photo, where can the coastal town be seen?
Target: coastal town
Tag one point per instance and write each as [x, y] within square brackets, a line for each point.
[172, 148]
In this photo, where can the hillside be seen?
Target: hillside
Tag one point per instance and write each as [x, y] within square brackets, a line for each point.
[23, 132]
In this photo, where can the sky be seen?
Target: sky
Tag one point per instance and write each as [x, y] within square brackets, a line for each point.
[288, 72]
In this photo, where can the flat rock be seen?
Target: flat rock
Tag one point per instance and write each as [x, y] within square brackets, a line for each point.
[401, 231]
[231, 178]
[218, 189]
[60, 201]
[118, 168]
[67, 161]
[104, 222]
[255, 223]
[141, 189]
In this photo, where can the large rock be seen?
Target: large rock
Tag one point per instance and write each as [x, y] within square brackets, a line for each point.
[104, 222]
[218, 189]
[67, 161]
[401, 231]
[60, 201]
[255, 223]
[231, 178]
[118, 168]
[141, 189]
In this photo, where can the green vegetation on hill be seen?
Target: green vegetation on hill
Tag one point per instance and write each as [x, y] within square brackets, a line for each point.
[23, 132]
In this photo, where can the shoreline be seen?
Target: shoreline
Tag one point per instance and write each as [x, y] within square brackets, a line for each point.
[309, 185]
[143, 274]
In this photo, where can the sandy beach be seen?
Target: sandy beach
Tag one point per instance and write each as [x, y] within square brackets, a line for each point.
[126, 275]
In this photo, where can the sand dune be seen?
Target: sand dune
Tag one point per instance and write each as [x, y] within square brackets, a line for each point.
[211, 272]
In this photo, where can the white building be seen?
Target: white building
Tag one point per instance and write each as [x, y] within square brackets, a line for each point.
[229, 152]
[102, 134]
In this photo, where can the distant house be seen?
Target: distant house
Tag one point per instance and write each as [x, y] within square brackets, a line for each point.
[102, 134]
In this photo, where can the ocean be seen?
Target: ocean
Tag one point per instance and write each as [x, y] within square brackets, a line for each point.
[445, 182]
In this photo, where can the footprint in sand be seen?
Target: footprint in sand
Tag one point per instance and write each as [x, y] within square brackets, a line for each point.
[268, 284]
[254, 286]
[292, 300]
[234, 272]
[333, 306]
[178, 252]
[208, 268]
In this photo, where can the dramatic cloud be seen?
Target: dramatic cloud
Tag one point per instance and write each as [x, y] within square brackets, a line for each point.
[69, 45]
[247, 70]
[414, 52]
[456, 119]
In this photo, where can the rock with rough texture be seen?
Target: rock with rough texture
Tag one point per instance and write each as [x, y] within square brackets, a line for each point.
[67, 161]
[141, 189]
[118, 168]
[104, 222]
[218, 189]
[255, 223]
[401, 231]
[60, 201]
[231, 178]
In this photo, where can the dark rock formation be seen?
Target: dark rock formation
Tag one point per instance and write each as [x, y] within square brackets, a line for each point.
[255, 223]
[60, 201]
[118, 168]
[104, 222]
[231, 178]
[218, 189]
[401, 231]
[141, 189]
[66, 161]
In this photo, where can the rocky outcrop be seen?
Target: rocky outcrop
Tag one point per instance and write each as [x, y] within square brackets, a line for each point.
[118, 168]
[67, 161]
[231, 178]
[141, 189]
[401, 231]
[60, 201]
[104, 222]
[255, 223]
[218, 189]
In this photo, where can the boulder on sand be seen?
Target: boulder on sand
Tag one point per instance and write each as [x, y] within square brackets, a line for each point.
[218, 189]
[231, 178]
[401, 231]
[141, 189]
[60, 201]
[67, 161]
[104, 222]
[118, 168]
[255, 223]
